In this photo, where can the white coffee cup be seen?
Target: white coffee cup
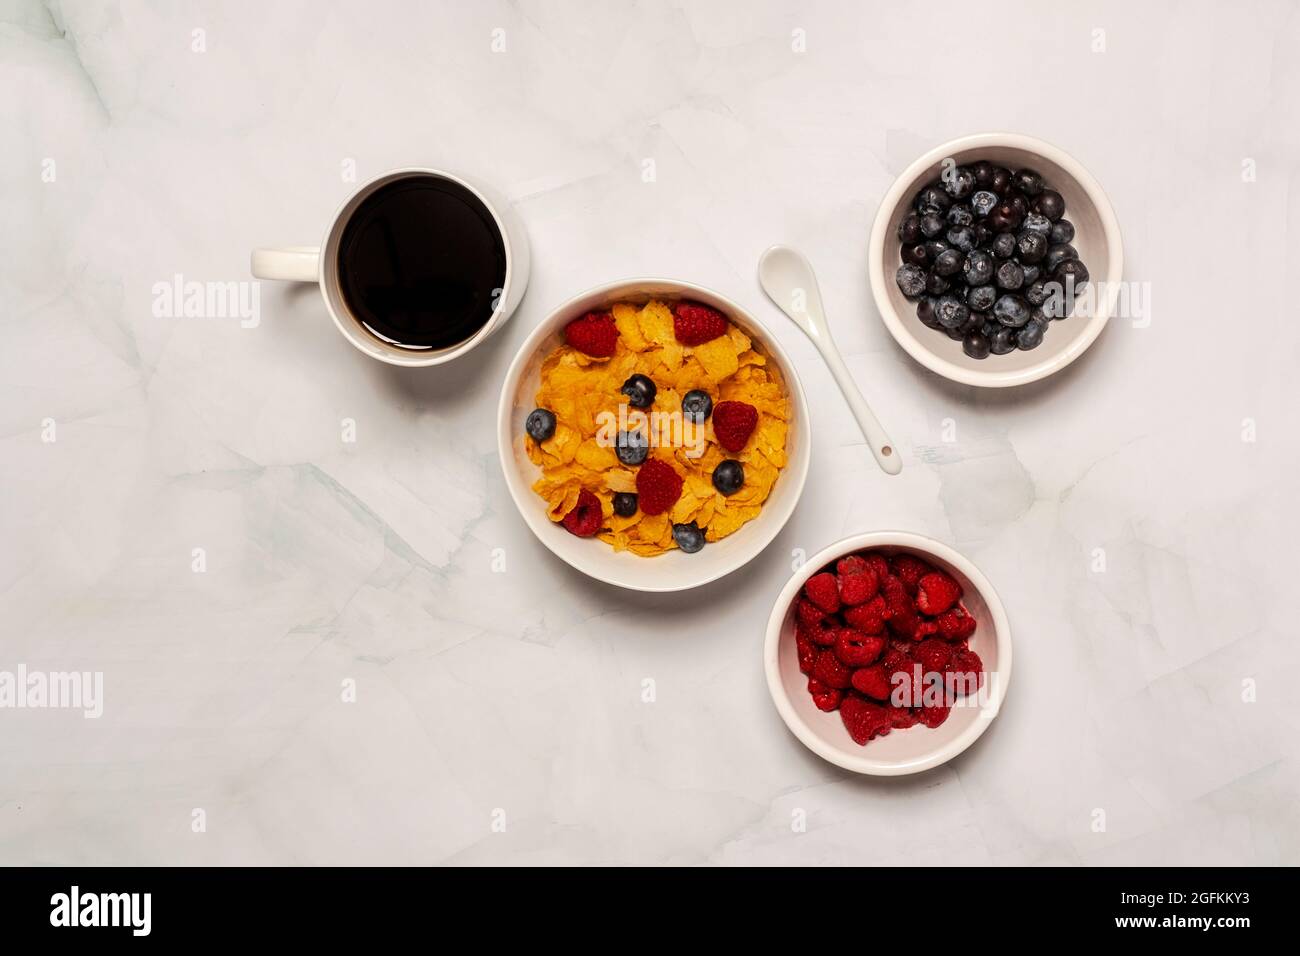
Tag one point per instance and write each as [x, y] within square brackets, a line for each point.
[320, 264]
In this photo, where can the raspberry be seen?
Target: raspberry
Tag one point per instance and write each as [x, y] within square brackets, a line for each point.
[908, 683]
[828, 669]
[895, 661]
[733, 423]
[863, 719]
[594, 334]
[901, 718]
[933, 716]
[936, 592]
[823, 591]
[826, 698]
[852, 564]
[894, 592]
[658, 487]
[878, 564]
[868, 618]
[907, 624]
[586, 517]
[805, 612]
[872, 681]
[856, 649]
[695, 324]
[909, 568]
[807, 652]
[955, 624]
[858, 588]
[934, 654]
[968, 670]
[822, 631]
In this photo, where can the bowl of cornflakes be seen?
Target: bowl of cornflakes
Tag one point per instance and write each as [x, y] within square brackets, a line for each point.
[653, 434]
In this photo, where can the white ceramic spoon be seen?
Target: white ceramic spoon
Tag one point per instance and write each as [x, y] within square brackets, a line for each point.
[787, 278]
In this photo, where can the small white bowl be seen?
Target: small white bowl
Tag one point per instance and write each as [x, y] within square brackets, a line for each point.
[900, 751]
[675, 570]
[1097, 238]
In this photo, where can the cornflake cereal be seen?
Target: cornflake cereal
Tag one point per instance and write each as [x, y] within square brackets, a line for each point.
[588, 406]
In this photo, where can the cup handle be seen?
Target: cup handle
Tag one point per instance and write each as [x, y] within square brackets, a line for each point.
[288, 263]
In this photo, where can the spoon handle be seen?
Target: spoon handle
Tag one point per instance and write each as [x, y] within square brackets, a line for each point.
[886, 454]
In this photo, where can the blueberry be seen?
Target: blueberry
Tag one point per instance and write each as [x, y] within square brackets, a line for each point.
[1010, 275]
[689, 537]
[983, 173]
[624, 504]
[1027, 181]
[540, 424]
[934, 248]
[1050, 204]
[955, 334]
[983, 234]
[631, 447]
[990, 328]
[1004, 245]
[932, 199]
[974, 321]
[1031, 273]
[1031, 246]
[1030, 337]
[960, 215]
[1068, 269]
[976, 345]
[959, 182]
[909, 230]
[1058, 254]
[1036, 292]
[1001, 182]
[1002, 341]
[1011, 310]
[728, 476]
[949, 263]
[936, 284]
[931, 225]
[641, 391]
[977, 269]
[1019, 204]
[1054, 305]
[963, 237]
[916, 254]
[1062, 231]
[911, 278]
[1004, 218]
[925, 312]
[951, 312]
[981, 297]
[983, 203]
[1034, 222]
[696, 406]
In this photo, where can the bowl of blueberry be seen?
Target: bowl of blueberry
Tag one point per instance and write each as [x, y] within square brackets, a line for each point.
[995, 259]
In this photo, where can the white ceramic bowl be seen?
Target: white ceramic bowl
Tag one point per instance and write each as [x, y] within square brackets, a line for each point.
[900, 751]
[1097, 238]
[675, 570]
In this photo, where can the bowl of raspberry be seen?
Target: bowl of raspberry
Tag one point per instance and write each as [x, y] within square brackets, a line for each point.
[653, 434]
[995, 259]
[888, 653]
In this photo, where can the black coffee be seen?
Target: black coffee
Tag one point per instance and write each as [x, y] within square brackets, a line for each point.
[421, 262]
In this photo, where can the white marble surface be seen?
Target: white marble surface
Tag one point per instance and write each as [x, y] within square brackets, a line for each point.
[521, 691]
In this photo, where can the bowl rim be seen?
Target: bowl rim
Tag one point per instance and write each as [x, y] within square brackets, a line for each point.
[877, 539]
[993, 378]
[549, 324]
